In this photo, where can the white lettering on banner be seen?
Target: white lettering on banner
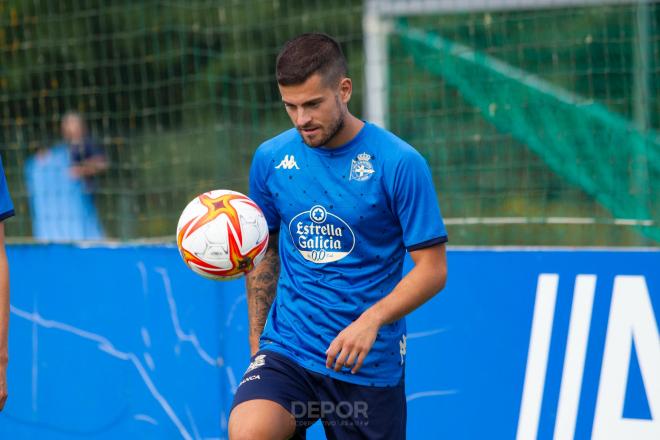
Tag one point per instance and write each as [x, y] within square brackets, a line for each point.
[631, 320]
[537, 357]
[576, 351]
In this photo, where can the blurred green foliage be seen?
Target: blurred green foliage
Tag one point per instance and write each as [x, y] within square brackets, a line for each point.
[180, 93]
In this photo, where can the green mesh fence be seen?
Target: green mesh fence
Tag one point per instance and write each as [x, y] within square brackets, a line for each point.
[531, 120]
[178, 94]
[579, 139]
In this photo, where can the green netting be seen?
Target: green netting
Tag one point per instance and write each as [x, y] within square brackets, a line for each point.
[581, 140]
[178, 93]
[526, 117]
[529, 120]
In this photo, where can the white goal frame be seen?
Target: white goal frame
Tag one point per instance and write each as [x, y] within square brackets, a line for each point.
[377, 25]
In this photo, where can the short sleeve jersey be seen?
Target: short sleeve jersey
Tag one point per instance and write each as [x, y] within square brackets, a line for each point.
[346, 217]
[6, 205]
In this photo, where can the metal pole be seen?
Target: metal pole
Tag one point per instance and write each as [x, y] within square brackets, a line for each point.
[376, 29]
[641, 96]
[642, 68]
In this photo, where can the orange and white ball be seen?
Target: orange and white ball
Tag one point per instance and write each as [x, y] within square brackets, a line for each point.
[222, 234]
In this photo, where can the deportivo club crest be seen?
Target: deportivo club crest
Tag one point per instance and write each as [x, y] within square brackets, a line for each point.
[361, 168]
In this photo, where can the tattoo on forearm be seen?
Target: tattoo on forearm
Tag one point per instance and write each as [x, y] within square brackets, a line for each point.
[261, 288]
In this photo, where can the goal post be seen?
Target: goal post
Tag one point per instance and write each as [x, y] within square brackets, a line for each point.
[608, 150]
[377, 26]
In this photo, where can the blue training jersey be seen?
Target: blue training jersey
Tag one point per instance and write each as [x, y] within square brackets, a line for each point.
[346, 217]
[6, 205]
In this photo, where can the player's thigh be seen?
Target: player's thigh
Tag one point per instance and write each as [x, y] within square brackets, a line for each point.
[364, 412]
[261, 419]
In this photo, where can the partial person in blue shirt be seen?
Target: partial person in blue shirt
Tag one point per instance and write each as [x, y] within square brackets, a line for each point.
[62, 182]
[6, 211]
[344, 200]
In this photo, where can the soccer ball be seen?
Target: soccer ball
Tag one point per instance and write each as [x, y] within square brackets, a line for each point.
[222, 235]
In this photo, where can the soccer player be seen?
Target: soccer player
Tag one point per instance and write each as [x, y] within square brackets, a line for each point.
[344, 200]
[6, 211]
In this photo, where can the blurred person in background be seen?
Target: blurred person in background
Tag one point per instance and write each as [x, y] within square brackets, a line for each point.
[6, 211]
[87, 158]
[61, 182]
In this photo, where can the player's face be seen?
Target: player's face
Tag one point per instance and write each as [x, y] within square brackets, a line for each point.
[316, 109]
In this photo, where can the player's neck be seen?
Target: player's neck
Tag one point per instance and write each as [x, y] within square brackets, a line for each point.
[351, 128]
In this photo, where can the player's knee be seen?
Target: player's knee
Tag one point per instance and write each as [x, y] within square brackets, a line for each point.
[247, 431]
[257, 428]
[251, 430]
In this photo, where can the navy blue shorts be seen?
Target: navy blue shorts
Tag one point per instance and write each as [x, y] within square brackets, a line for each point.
[347, 410]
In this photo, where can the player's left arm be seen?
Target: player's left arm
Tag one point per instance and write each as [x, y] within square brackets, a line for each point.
[426, 278]
[4, 317]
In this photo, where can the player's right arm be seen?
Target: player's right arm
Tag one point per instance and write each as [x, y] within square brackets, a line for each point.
[4, 317]
[6, 211]
[261, 286]
[261, 283]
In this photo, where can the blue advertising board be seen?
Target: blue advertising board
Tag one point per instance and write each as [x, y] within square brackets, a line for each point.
[126, 342]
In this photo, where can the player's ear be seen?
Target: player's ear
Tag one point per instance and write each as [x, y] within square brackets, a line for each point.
[345, 90]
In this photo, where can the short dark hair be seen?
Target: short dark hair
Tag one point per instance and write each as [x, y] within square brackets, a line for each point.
[308, 54]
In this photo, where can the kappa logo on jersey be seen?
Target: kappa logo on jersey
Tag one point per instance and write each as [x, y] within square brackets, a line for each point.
[258, 361]
[288, 163]
[402, 348]
[361, 167]
[321, 236]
